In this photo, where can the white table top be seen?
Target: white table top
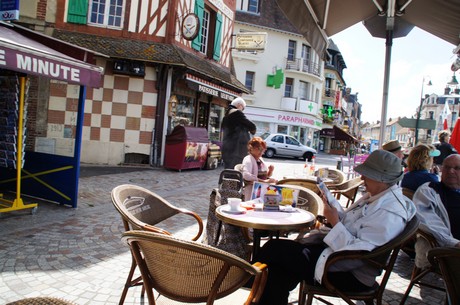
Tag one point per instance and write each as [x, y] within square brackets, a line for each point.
[267, 220]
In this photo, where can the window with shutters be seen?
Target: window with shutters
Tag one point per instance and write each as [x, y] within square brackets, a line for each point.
[209, 38]
[108, 13]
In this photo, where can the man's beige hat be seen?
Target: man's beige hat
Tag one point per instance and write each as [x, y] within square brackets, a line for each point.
[392, 146]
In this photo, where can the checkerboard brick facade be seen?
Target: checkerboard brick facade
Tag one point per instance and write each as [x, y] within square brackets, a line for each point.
[121, 112]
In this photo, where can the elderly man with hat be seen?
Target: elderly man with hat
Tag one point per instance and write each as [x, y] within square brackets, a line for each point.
[373, 220]
[395, 148]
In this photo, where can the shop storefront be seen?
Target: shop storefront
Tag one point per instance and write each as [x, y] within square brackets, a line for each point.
[27, 59]
[303, 127]
[336, 141]
[199, 103]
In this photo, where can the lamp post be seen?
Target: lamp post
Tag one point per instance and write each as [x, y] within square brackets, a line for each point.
[453, 84]
[417, 122]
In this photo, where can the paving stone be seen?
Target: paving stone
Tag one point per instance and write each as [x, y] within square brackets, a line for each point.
[77, 254]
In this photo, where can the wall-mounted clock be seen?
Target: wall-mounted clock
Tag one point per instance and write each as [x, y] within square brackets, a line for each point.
[190, 26]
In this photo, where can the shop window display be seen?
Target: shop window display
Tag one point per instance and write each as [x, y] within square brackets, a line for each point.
[215, 118]
[184, 114]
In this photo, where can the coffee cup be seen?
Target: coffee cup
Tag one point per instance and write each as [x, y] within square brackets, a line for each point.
[234, 203]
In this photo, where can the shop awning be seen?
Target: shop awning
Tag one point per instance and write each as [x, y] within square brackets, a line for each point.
[23, 54]
[342, 135]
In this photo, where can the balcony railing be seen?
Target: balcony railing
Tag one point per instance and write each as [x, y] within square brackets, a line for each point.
[330, 92]
[302, 65]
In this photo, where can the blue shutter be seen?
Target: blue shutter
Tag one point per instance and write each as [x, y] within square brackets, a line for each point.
[217, 38]
[78, 11]
[199, 9]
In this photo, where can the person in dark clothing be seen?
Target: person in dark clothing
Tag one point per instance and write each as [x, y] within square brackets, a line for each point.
[438, 208]
[444, 147]
[237, 130]
[420, 165]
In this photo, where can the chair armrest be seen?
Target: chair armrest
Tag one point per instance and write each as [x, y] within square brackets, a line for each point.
[198, 220]
[154, 229]
[259, 284]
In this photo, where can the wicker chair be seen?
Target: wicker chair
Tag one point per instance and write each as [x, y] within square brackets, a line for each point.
[42, 301]
[448, 261]
[383, 257]
[141, 209]
[337, 176]
[334, 175]
[306, 183]
[190, 272]
[349, 189]
[419, 272]
[408, 192]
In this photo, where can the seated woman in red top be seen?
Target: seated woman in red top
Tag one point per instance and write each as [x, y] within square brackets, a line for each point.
[420, 165]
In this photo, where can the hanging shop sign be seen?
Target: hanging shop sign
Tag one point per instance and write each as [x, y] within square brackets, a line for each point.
[9, 10]
[201, 85]
[250, 41]
[22, 54]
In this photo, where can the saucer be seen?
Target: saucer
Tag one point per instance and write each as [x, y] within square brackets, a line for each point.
[230, 211]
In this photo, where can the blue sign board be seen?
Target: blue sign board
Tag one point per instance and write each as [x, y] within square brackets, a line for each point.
[9, 9]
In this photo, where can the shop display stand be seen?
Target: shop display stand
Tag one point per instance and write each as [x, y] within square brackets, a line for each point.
[13, 128]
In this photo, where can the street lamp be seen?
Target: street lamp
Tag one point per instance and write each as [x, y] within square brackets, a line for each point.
[420, 109]
[452, 85]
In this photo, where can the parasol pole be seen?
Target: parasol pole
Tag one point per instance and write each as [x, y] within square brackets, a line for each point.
[386, 84]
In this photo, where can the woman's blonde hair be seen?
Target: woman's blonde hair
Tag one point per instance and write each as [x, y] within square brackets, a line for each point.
[419, 157]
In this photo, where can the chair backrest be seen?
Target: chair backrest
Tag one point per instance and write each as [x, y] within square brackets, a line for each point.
[383, 257]
[337, 176]
[448, 261]
[307, 200]
[188, 271]
[142, 209]
[408, 192]
[306, 183]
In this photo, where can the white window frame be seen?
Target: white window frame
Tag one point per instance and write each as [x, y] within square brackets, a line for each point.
[250, 78]
[250, 6]
[205, 31]
[109, 5]
[304, 90]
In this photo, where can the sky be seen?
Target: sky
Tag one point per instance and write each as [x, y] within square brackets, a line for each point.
[418, 56]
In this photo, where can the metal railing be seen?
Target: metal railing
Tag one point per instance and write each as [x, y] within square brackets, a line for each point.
[302, 65]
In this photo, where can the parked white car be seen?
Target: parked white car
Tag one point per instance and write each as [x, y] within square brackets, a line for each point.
[285, 145]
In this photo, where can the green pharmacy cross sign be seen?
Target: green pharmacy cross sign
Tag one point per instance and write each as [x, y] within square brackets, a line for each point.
[275, 80]
[329, 110]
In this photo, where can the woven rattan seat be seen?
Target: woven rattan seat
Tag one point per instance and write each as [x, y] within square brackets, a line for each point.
[448, 261]
[190, 272]
[142, 209]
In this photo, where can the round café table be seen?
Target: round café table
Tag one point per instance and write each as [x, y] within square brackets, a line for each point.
[260, 220]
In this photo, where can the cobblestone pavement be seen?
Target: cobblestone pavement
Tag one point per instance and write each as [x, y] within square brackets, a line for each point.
[77, 254]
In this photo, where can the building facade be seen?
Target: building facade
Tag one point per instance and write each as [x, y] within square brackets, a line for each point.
[285, 80]
[167, 63]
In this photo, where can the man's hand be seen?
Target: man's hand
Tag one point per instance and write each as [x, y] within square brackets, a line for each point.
[330, 212]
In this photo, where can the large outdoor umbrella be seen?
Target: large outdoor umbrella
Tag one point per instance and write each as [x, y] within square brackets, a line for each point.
[455, 137]
[317, 20]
